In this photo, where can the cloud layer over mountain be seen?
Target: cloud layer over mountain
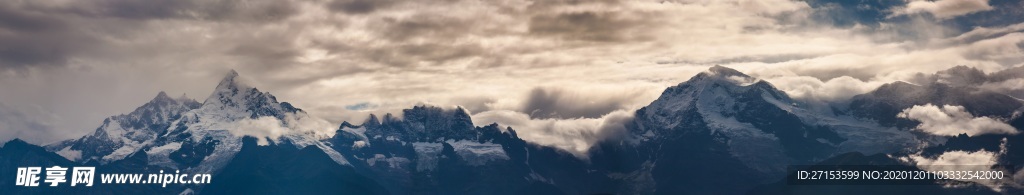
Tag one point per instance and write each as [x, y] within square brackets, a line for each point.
[554, 62]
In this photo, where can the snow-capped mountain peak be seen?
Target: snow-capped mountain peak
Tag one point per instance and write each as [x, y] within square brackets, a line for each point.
[421, 123]
[416, 141]
[714, 91]
[200, 137]
[233, 110]
[760, 125]
[238, 100]
[725, 71]
[162, 96]
[123, 134]
[229, 80]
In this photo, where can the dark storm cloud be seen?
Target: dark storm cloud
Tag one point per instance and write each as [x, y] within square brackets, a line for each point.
[430, 27]
[251, 11]
[429, 52]
[359, 6]
[34, 34]
[545, 103]
[435, 40]
[216, 10]
[17, 19]
[590, 26]
[432, 38]
[31, 38]
[265, 51]
[541, 5]
[361, 106]
[135, 9]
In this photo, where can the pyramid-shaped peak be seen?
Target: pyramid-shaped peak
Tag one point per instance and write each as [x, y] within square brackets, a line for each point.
[721, 75]
[231, 74]
[229, 81]
[236, 95]
[231, 85]
[723, 71]
[162, 95]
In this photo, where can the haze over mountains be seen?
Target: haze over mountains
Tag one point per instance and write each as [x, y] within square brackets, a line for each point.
[720, 132]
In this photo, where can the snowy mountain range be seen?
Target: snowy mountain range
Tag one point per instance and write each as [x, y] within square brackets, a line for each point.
[720, 132]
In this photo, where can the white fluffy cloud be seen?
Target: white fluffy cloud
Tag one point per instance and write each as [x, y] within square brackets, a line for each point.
[262, 128]
[814, 90]
[959, 161]
[270, 128]
[980, 160]
[980, 157]
[945, 9]
[954, 120]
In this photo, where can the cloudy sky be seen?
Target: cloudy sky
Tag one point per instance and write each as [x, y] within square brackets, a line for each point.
[550, 69]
